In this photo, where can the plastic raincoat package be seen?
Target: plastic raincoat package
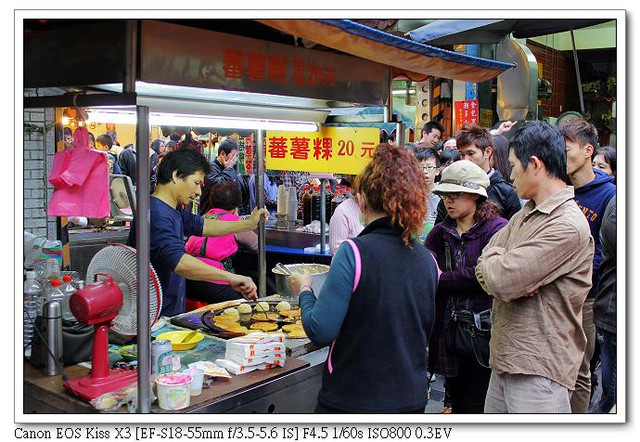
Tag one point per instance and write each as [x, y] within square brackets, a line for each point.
[81, 179]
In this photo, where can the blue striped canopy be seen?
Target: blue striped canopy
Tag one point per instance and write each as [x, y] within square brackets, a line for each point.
[398, 52]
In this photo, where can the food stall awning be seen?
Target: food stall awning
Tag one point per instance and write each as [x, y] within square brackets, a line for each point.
[410, 56]
[449, 32]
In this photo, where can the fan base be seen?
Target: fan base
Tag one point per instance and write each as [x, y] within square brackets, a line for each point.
[89, 388]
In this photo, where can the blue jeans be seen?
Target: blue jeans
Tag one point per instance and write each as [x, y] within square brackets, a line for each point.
[608, 367]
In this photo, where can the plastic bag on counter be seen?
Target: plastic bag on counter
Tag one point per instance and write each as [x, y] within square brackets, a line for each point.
[314, 227]
[210, 369]
[38, 249]
[125, 396]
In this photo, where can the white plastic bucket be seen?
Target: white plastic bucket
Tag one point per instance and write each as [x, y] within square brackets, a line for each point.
[174, 391]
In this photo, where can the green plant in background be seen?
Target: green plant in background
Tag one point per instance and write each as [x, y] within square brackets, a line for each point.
[30, 128]
[611, 86]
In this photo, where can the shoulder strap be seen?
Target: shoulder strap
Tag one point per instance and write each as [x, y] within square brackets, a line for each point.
[203, 247]
[447, 256]
[356, 255]
[216, 216]
[448, 267]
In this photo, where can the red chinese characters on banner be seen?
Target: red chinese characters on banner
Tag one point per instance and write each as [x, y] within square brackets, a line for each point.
[277, 69]
[233, 63]
[277, 147]
[260, 67]
[298, 72]
[315, 76]
[248, 146]
[328, 77]
[299, 148]
[256, 66]
[467, 111]
[367, 149]
[248, 153]
[327, 150]
[322, 148]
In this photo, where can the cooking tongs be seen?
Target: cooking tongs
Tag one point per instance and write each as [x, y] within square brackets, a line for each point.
[282, 268]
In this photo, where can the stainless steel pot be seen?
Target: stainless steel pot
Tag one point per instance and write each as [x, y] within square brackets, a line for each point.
[318, 273]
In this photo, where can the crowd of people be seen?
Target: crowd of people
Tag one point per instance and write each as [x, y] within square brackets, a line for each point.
[519, 309]
[488, 258]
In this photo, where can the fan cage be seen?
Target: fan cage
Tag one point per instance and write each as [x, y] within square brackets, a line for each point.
[120, 262]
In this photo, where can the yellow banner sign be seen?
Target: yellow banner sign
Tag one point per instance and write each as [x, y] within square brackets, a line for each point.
[344, 150]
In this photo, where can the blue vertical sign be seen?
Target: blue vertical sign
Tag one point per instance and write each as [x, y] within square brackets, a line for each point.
[471, 90]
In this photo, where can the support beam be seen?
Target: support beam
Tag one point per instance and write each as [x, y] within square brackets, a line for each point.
[575, 62]
[142, 247]
[262, 231]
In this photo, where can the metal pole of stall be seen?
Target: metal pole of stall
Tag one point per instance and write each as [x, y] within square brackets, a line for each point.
[142, 246]
[262, 231]
[131, 56]
[400, 134]
[575, 61]
[323, 214]
[141, 220]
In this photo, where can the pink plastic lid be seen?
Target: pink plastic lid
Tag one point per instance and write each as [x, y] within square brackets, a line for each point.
[174, 379]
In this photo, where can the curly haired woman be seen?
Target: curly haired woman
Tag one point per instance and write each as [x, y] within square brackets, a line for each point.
[376, 307]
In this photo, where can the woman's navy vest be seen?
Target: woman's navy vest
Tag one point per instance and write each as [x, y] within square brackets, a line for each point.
[379, 359]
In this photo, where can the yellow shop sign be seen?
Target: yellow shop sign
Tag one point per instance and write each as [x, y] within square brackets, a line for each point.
[344, 150]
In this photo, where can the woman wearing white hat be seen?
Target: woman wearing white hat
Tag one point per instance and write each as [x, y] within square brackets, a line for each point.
[457, 243]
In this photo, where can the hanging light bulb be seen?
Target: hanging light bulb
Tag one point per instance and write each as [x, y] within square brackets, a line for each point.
[66, 119]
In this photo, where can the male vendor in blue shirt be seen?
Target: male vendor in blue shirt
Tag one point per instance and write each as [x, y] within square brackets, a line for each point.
[179, 180]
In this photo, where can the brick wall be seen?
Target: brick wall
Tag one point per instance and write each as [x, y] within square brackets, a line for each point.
[559, 70]
[38, 151]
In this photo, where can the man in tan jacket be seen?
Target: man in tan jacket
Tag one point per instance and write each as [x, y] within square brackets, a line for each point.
[538, 269]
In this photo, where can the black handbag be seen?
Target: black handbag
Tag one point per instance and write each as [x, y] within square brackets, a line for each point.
[467, 333]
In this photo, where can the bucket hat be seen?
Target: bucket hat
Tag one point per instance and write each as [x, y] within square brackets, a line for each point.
[463, 176]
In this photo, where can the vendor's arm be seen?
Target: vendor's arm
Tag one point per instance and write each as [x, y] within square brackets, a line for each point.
[531, 264]
[247, 240]
[322, 318]
[196, 270]
[167, 248]
[220, 228]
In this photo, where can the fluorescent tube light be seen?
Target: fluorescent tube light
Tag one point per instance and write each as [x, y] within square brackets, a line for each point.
[124, 117]
[106, 116]
[403, 92]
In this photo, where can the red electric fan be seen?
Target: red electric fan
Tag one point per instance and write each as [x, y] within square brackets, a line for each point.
[111, 303]
[98, 305]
